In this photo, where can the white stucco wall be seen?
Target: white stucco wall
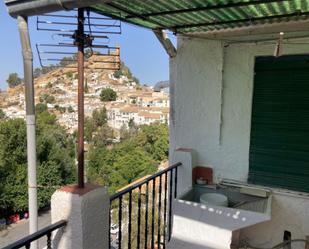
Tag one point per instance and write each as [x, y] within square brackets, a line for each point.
[211, 98]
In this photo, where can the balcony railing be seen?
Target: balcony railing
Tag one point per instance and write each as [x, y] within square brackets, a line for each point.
[140, 215]
[47, 231]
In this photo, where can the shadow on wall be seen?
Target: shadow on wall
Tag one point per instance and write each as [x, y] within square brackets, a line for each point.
[181, 244]
[57, 237]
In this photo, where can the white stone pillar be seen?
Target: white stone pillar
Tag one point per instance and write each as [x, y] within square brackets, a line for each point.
[87, 213]
[188, 159]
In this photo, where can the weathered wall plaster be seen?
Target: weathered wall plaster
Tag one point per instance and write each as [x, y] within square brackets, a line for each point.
[211, 87]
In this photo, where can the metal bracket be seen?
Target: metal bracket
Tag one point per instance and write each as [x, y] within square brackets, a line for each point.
[166, 42]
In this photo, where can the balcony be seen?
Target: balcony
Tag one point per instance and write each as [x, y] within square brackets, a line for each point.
[140, 215]
[149, 214]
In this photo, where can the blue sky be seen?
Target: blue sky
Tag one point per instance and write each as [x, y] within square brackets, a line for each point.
[140, 50]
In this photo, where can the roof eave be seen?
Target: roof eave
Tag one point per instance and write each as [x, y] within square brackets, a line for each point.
[252, 32]
[35, 7]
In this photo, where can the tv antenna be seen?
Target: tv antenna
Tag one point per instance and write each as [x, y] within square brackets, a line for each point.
[90, 37]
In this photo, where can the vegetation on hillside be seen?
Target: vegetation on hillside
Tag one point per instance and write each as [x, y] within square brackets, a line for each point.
[115, 165]
[96, 129]
[14, 80]
[2, 114]
[108, 94]
[125, 71]
[47, 99]
[134, 157]
[40, 107]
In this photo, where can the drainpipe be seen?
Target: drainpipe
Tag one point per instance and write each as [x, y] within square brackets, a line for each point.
[30, 120]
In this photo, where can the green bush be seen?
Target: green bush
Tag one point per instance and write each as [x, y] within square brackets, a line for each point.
[108, 94]
[13, 80]
[47, 99]
[2, 114]
[118, 74]
[69, 75]
[40, 107]
[70, 109]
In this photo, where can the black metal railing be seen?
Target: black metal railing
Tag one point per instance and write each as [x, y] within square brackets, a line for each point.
[47, 231]
[140, 215]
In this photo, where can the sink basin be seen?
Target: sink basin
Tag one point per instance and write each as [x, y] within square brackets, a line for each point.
[214, 199]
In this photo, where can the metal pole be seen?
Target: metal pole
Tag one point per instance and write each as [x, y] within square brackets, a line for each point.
[30, 120]
[307, 242]
[80, 62]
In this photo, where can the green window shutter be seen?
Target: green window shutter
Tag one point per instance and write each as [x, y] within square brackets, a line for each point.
[279, 146]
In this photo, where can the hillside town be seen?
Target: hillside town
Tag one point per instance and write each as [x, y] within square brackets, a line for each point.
[58, 89]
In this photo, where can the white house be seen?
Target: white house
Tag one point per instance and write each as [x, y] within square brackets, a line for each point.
[240, 111]
[246, 119]
[238, 122]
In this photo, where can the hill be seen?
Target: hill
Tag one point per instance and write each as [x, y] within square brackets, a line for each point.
[58, 89]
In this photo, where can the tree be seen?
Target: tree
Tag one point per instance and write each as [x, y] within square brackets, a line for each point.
[46, 119]
[48, 69]
[103, 136]
[86, 89]
[37, 72]
[13, 158]
[13, 80]
[130, 166]
[124, 133]
[47, 99]
[108, 94]
[67, 60]
[55, 157]
[49, 85]
[69, 74]
[118, 74]
[154, 139]
[133, 128]
[60, 109]
[89, 129]
[99, 117]
[40, 107]
[135, 156]
[136, 80]
[92, 124]
[131, 123]
[119, 166]
[70, 109]
[2, 114]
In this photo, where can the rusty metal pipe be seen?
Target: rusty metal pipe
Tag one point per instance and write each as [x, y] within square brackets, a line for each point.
[80, 65]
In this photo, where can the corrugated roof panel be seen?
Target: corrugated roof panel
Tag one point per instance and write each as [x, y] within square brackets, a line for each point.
[200, 16]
